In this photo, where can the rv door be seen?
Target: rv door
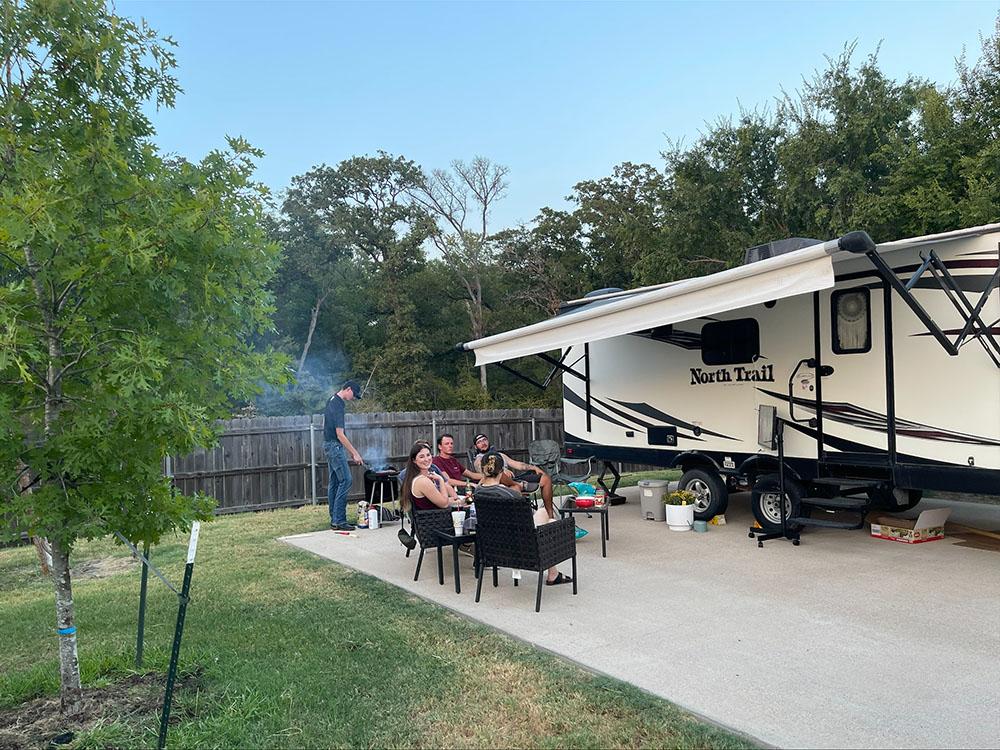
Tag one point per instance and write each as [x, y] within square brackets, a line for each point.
[852, 344]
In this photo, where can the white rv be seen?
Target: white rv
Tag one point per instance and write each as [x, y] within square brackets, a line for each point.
[874, 371]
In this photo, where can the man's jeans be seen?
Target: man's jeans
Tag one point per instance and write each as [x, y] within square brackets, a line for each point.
[340, 481]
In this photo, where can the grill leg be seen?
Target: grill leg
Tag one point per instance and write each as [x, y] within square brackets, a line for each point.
[538, 595]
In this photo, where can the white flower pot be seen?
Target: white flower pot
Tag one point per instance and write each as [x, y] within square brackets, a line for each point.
[680, 517]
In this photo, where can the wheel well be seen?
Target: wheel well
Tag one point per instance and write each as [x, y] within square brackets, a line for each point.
[756, 465]
[696, 461]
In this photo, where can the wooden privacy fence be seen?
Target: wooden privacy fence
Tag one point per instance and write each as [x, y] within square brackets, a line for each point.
[274, 462]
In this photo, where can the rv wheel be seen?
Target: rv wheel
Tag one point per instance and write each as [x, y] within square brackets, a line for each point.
[713, 497]
[765, 502]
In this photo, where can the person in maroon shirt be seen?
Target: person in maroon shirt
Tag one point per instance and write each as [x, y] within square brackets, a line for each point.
[450, 466]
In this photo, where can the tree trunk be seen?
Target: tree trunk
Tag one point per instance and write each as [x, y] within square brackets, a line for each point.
[41, 544]
[313, 317]
[44, 554]
[70, 693]
[69, 663]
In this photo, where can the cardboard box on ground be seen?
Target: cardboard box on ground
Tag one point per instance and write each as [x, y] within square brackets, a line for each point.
[927, 527]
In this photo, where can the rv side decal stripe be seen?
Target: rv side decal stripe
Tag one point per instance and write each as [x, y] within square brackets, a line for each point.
[574, 399]
[856, 416]
[655, 413]
[647, 425]
[849, 446]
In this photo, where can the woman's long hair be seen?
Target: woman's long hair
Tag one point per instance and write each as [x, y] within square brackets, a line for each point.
[412, 472]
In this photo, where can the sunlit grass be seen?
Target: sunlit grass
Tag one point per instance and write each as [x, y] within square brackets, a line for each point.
[295, 651]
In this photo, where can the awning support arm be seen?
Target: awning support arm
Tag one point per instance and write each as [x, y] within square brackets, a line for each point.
[557, 366]
[974, 324]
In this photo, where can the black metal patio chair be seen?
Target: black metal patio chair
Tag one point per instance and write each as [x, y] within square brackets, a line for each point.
[426, 524]
[507, 537]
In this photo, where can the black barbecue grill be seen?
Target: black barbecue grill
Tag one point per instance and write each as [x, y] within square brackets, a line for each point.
[382, 488]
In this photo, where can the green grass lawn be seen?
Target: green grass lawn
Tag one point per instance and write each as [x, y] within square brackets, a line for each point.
[289, 650]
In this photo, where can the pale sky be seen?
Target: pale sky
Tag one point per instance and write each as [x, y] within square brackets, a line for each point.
[558, 92]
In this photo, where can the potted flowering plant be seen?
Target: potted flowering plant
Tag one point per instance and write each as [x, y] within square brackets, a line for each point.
[680, 509]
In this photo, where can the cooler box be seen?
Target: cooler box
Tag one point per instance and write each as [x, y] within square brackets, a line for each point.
[651, 492]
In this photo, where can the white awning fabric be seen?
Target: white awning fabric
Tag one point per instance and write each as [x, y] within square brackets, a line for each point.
[798, 272]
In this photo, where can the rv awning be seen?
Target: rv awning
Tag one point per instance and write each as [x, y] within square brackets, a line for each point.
[798, 272]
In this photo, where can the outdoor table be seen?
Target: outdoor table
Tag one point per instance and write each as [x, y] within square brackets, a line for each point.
[449, 537]
[569, 506]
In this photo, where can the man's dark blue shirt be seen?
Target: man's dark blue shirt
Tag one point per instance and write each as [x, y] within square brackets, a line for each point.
[333, 418]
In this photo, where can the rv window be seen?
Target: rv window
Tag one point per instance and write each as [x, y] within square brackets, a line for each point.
[852, 323]
[730, 342]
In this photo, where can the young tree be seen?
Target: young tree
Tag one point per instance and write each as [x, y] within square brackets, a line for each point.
[129, 289]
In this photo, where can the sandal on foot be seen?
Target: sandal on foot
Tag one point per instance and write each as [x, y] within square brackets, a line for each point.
[559, 579]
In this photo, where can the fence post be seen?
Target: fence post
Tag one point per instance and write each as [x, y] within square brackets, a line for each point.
[434, 431]
[533, 436]
[312, 457]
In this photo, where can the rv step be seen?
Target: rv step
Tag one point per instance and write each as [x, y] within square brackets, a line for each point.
[838, 503]
[854, 484]
[823, 523]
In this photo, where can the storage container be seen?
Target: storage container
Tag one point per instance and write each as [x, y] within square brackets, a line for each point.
[651, 493]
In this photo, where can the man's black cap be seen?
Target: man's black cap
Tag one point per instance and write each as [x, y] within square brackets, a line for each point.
[354, 386]
[476, 438]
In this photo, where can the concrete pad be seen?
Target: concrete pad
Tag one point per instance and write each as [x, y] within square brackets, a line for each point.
[844, 641]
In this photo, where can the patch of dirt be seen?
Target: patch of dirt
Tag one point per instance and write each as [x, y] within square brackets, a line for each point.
[103, 567]
[36, 723]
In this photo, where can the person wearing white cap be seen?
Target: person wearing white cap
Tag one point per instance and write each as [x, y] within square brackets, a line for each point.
[525, 473]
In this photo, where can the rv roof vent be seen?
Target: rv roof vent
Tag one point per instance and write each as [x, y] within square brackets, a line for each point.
[776, 247]
[605, 290]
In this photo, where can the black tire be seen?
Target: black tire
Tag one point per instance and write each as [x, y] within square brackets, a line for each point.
[888, 499]
[764, 502]
[713, 497]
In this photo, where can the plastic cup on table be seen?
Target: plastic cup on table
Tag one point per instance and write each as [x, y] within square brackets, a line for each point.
[458, 520]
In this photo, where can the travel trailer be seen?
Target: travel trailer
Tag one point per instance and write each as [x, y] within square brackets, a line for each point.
[840, 375]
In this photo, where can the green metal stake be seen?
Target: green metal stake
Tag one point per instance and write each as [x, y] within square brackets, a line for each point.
[142, 607]
[178, 632]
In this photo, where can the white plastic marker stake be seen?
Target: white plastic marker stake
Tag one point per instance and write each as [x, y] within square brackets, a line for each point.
[193, 541]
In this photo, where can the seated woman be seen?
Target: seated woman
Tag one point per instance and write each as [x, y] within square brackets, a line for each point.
[492, 485]
[422, 488]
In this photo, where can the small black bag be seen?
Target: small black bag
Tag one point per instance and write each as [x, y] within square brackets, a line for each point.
[405, 537]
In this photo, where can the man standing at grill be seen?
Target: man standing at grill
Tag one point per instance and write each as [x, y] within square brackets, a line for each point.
[338, 447]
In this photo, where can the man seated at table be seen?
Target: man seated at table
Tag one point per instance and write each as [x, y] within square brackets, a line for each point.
[450, 466]
[516, 473]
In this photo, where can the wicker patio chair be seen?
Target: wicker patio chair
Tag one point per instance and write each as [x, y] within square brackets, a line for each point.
[506, 537]
[426, 524]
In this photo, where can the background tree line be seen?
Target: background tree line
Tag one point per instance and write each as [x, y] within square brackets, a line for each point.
[388, 266]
